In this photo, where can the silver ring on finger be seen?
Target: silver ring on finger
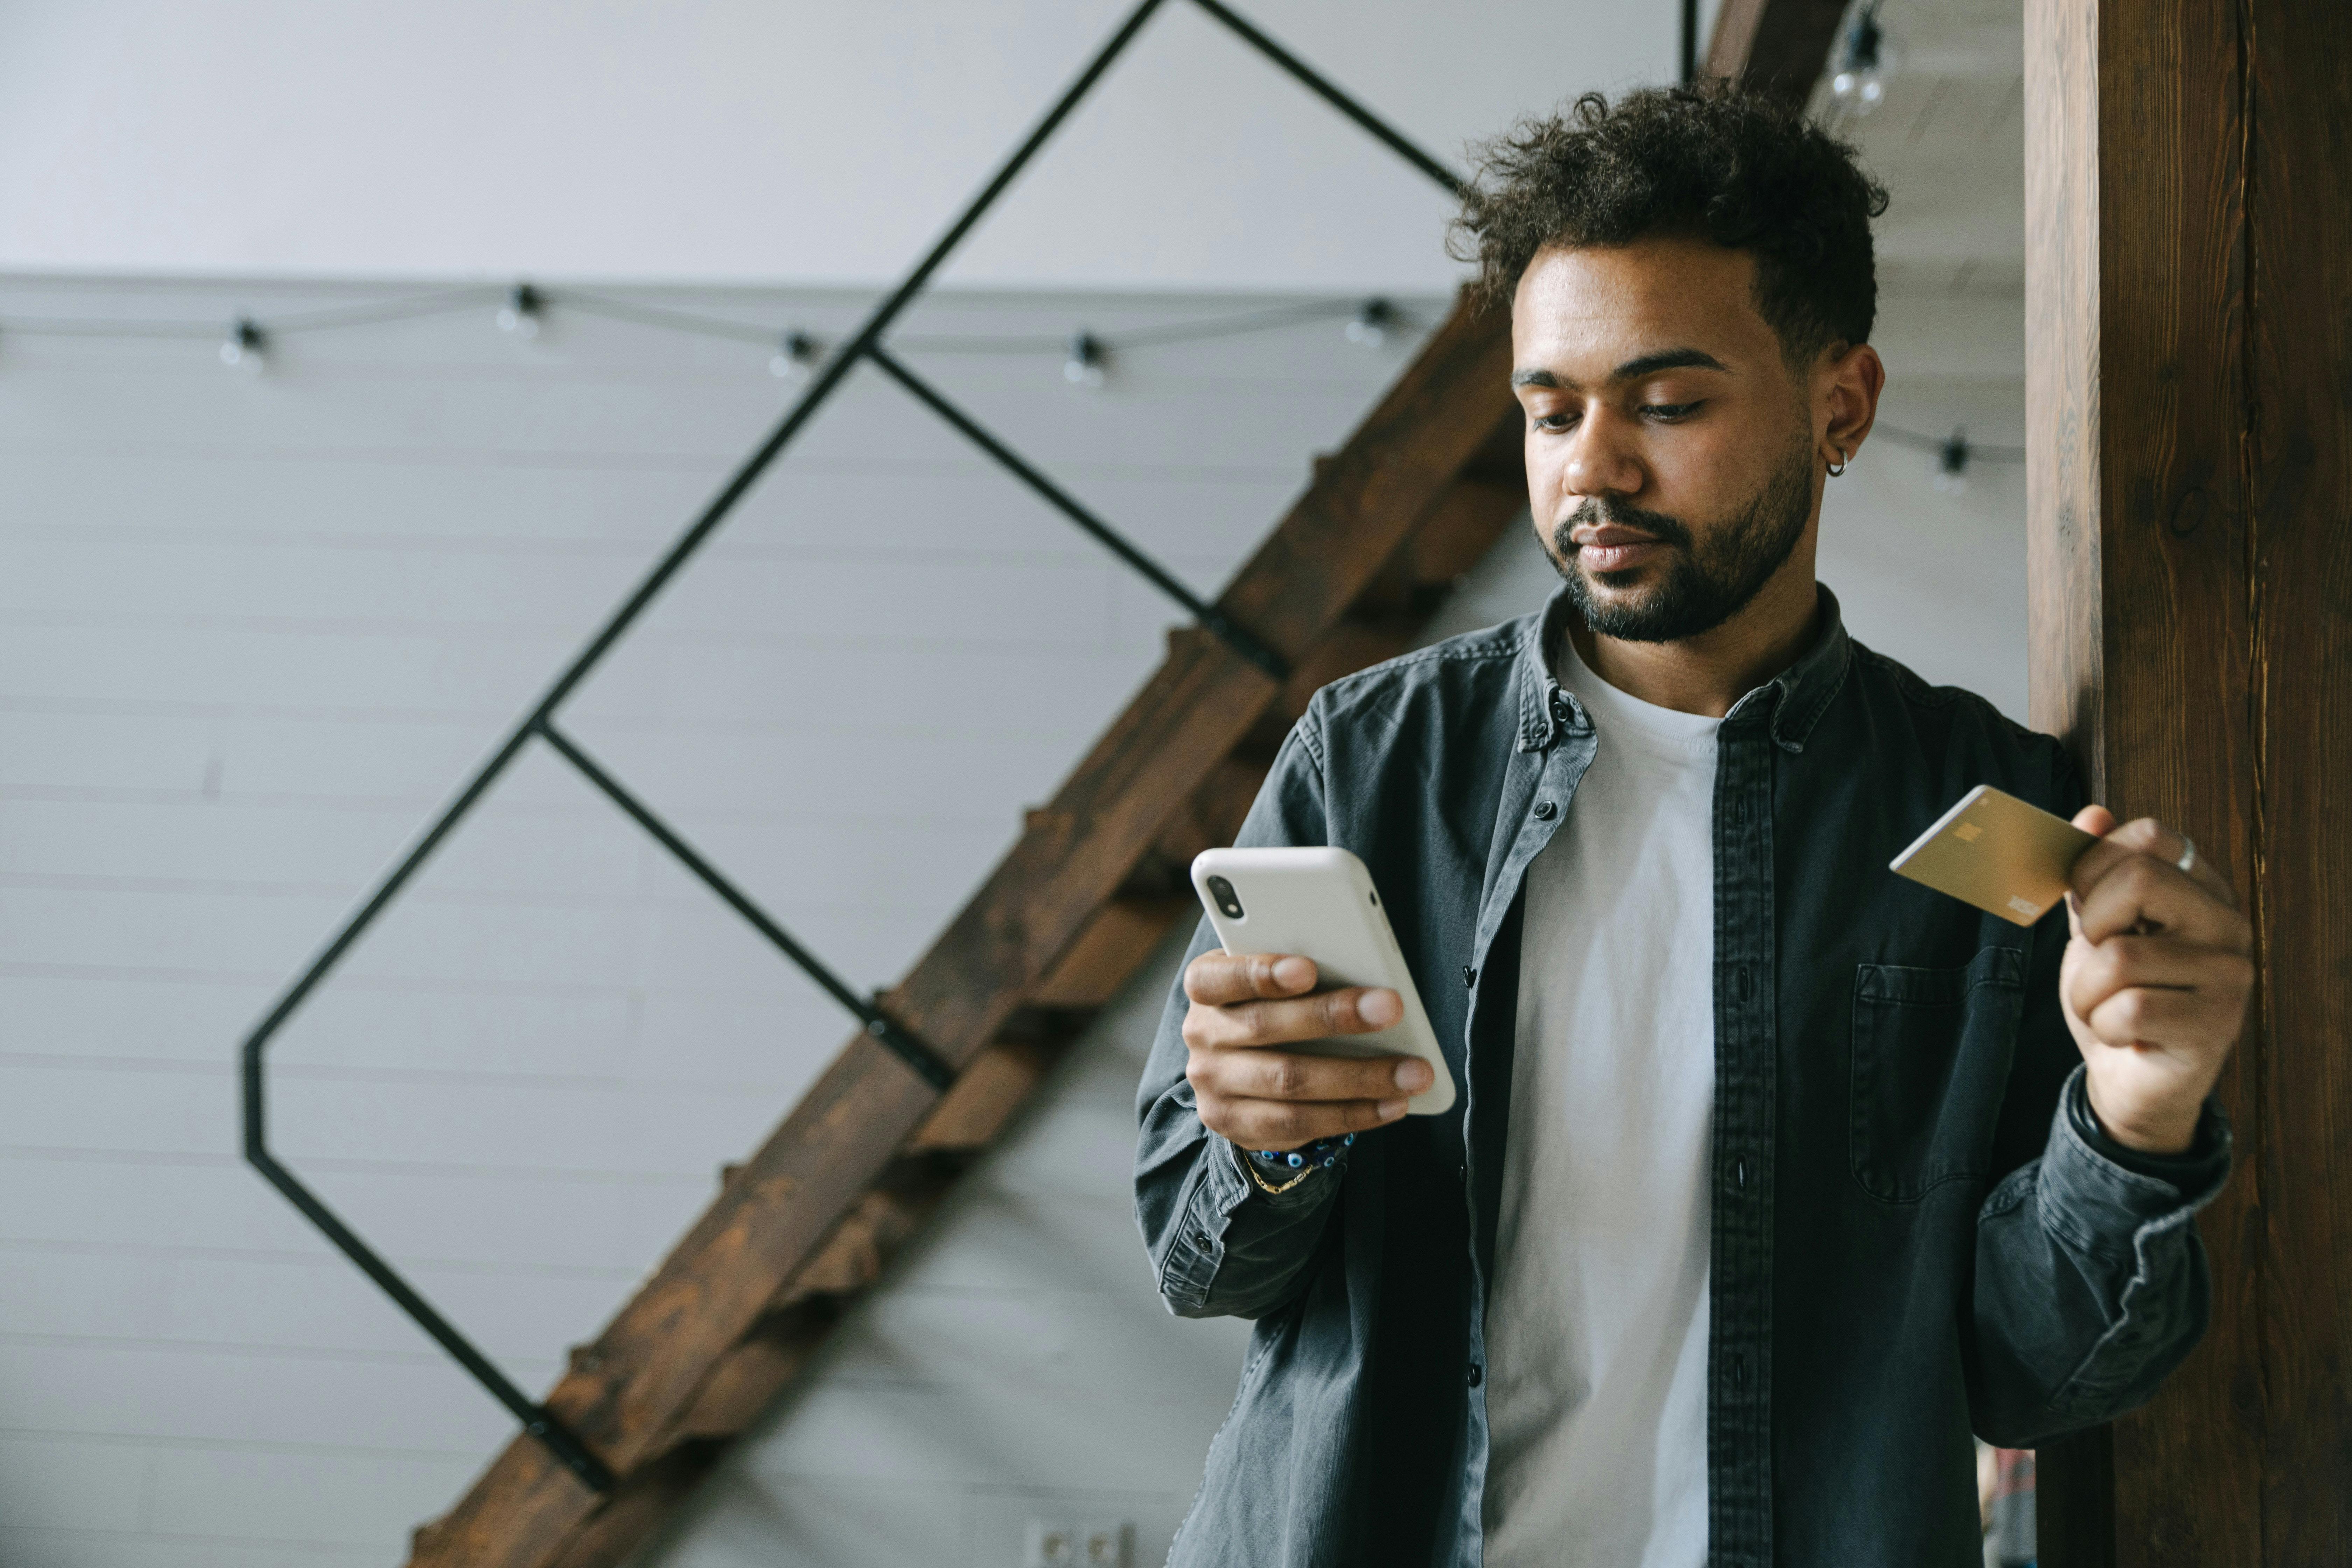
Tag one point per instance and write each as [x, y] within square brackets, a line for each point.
[2188, 860]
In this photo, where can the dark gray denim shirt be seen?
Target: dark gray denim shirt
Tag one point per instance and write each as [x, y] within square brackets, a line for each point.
[1914, 1234]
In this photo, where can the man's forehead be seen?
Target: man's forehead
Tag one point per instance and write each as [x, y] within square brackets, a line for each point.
[1584, 312]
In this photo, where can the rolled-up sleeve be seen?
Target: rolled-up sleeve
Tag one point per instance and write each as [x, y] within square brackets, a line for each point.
[1221, 1244]
[2091, 1284]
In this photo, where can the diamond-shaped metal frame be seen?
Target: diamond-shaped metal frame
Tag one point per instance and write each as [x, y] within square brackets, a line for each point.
[866, 345]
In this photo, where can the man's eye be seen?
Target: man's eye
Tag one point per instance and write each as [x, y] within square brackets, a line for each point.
[1554, 421]
[1670, 412]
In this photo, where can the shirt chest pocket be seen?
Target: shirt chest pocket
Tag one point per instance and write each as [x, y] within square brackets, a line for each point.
[1931, 1053]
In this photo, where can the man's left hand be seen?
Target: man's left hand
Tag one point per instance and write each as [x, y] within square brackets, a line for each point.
[2155, 981]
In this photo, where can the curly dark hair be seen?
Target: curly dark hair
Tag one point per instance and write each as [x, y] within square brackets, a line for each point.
[1711, 161]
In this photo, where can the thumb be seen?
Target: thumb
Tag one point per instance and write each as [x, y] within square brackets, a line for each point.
[2096, 820]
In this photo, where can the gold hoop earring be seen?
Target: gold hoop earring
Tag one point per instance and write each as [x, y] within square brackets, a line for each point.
[1839, 466]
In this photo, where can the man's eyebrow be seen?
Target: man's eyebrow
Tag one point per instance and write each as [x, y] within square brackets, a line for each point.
[1632, 369]
[1669, 359]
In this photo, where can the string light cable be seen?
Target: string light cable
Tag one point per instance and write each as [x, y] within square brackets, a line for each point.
[249, 344]
[522, 309]
[1954, 453]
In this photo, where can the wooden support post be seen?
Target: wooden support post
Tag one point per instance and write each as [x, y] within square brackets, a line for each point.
[2189, 391]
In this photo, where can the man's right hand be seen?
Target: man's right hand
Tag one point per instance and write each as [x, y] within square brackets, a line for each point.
[1250, 1090]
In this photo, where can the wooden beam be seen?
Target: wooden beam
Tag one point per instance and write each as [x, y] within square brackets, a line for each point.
[809, 1217]
[2188, 257]
[1420, 491]
[1779, 46]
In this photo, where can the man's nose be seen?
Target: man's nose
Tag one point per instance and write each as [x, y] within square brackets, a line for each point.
[1601, 460]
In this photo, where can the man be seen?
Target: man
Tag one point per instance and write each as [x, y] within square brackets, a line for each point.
[1775, 1173]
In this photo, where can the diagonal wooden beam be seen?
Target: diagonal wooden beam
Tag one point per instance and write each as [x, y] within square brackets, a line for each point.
[1779, 46]
[1424, 484]
[1418, 494]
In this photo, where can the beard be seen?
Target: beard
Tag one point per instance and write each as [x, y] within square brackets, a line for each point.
[1704, 585]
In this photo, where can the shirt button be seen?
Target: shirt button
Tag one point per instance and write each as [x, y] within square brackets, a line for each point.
[1740, 1371]
[1469, 975]
[1740, 1174]
[1546, 811]
[1477, 1375]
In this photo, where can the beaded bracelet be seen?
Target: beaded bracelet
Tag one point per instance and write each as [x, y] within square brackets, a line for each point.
[1323, 1153]
[1306, 1159]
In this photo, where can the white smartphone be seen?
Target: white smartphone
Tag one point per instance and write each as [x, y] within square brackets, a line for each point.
[1321, 903]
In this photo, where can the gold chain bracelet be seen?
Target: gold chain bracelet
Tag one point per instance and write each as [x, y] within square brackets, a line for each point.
[1260, 1180]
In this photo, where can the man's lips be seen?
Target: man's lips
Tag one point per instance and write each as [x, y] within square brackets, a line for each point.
[1611, 547]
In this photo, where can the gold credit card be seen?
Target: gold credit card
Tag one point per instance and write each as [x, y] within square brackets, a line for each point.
[1998, 853]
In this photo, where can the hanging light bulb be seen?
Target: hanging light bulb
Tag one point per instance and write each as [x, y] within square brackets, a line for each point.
[242, 348]
[1952, 463]
[793, 356]
[1370, 325]
[1084, 366]
[1860, 83]
[520, 315]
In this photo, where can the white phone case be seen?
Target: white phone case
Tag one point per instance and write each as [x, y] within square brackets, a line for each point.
[1320, 904]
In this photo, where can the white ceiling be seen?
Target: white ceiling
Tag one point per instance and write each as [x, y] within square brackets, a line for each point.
[728, 139]
[1949, 144]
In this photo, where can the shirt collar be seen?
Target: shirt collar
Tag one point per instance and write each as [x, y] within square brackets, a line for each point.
[1795, 698]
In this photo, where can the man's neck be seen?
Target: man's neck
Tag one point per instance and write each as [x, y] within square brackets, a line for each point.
[1709, 673]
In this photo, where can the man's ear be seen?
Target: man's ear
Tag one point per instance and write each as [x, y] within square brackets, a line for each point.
[1846, 384]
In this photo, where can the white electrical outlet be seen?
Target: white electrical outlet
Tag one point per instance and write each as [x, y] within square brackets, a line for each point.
[1050, 1543]
[1106, 1544]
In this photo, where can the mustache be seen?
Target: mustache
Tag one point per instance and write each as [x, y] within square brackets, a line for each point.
[1656, 524]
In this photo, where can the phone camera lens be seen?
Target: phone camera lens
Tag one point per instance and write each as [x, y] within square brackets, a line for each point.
[1223, 892]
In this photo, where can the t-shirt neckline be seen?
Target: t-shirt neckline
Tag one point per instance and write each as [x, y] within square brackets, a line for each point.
[1667, 731]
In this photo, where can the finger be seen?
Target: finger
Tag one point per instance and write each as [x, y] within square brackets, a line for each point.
[2144, 1016]
[1218, 978]
[2102, 857]
[1285, 1124]
[2140, 893]
[1357, 1010]
[2149, 836]
[2161, 841]
[2098, 822]
[2123, 963]
[1290, 1075]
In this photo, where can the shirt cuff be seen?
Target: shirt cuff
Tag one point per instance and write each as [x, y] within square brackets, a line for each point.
[2104, 1202]
[2184, 1170]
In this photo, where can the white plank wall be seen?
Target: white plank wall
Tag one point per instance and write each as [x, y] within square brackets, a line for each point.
[252, 629]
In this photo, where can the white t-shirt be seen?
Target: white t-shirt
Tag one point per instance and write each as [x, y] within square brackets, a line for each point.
[1596, 1321]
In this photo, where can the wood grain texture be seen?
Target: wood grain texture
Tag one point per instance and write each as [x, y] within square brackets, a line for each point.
[811, 1218]
[2188, 367]
[2062, 377]
[2299, 554]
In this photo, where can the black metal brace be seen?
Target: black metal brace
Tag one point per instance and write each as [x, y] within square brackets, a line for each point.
[928, 1064]
[1238, 638]
[569, 1448]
